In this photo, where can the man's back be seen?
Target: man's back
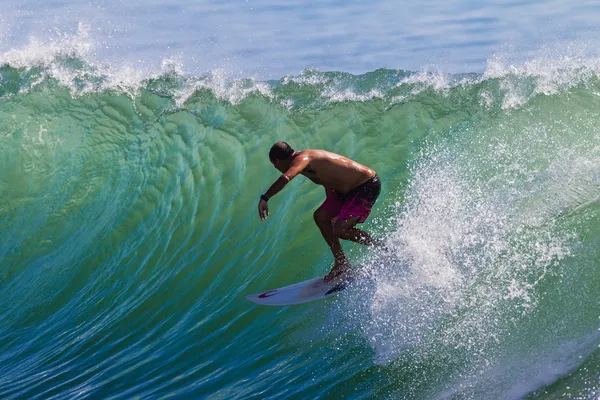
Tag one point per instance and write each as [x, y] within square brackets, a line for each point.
[334, 171]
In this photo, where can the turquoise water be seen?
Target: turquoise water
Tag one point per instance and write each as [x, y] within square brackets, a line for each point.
[130, 235]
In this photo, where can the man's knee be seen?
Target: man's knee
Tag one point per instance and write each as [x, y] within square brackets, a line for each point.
[338, 227]
[322, 217]
[341, 226]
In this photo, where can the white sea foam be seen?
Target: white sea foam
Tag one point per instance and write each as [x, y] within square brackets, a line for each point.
[546, 72]
[335, 95]
[43, 53]
[310, 77]
[224, 88]
[88, 75]
[471, 270]
[515, 377]
[433, 78]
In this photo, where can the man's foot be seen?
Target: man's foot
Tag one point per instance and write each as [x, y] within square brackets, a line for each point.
[339, 273]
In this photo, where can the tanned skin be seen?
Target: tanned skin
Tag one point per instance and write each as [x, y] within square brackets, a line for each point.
[333, 172]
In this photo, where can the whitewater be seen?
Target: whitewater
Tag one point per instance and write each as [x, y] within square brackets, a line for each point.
[129, 234]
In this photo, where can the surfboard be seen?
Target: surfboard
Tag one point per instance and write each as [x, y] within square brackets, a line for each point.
[303, 292]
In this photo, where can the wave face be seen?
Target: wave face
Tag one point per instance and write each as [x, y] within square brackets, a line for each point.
[130, 233]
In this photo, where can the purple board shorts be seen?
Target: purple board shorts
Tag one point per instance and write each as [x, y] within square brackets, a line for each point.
[356, 203]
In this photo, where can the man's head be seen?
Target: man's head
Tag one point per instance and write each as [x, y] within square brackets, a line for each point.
[281, 156]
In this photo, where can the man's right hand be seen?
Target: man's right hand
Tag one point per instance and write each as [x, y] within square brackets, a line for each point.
[263, 209]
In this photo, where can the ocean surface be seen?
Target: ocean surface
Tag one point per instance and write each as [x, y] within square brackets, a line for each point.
[134, 141]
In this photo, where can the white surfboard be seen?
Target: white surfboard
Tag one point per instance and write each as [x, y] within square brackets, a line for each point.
[298, 293]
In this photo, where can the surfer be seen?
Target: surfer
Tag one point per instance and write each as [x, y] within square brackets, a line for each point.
[351, 189]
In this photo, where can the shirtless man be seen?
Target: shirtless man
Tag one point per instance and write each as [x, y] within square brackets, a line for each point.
[351, 190]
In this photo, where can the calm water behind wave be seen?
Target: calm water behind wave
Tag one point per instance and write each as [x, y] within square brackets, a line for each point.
[267, 39]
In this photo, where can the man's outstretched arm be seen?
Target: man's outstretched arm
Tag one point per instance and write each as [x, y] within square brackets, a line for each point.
[277, 186]
[297, 166]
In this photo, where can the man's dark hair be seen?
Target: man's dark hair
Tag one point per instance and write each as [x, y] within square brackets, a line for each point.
[280, 151]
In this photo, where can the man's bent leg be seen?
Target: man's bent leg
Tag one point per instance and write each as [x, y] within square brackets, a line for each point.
[323, 220]
[361, 237]
[339, 230]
